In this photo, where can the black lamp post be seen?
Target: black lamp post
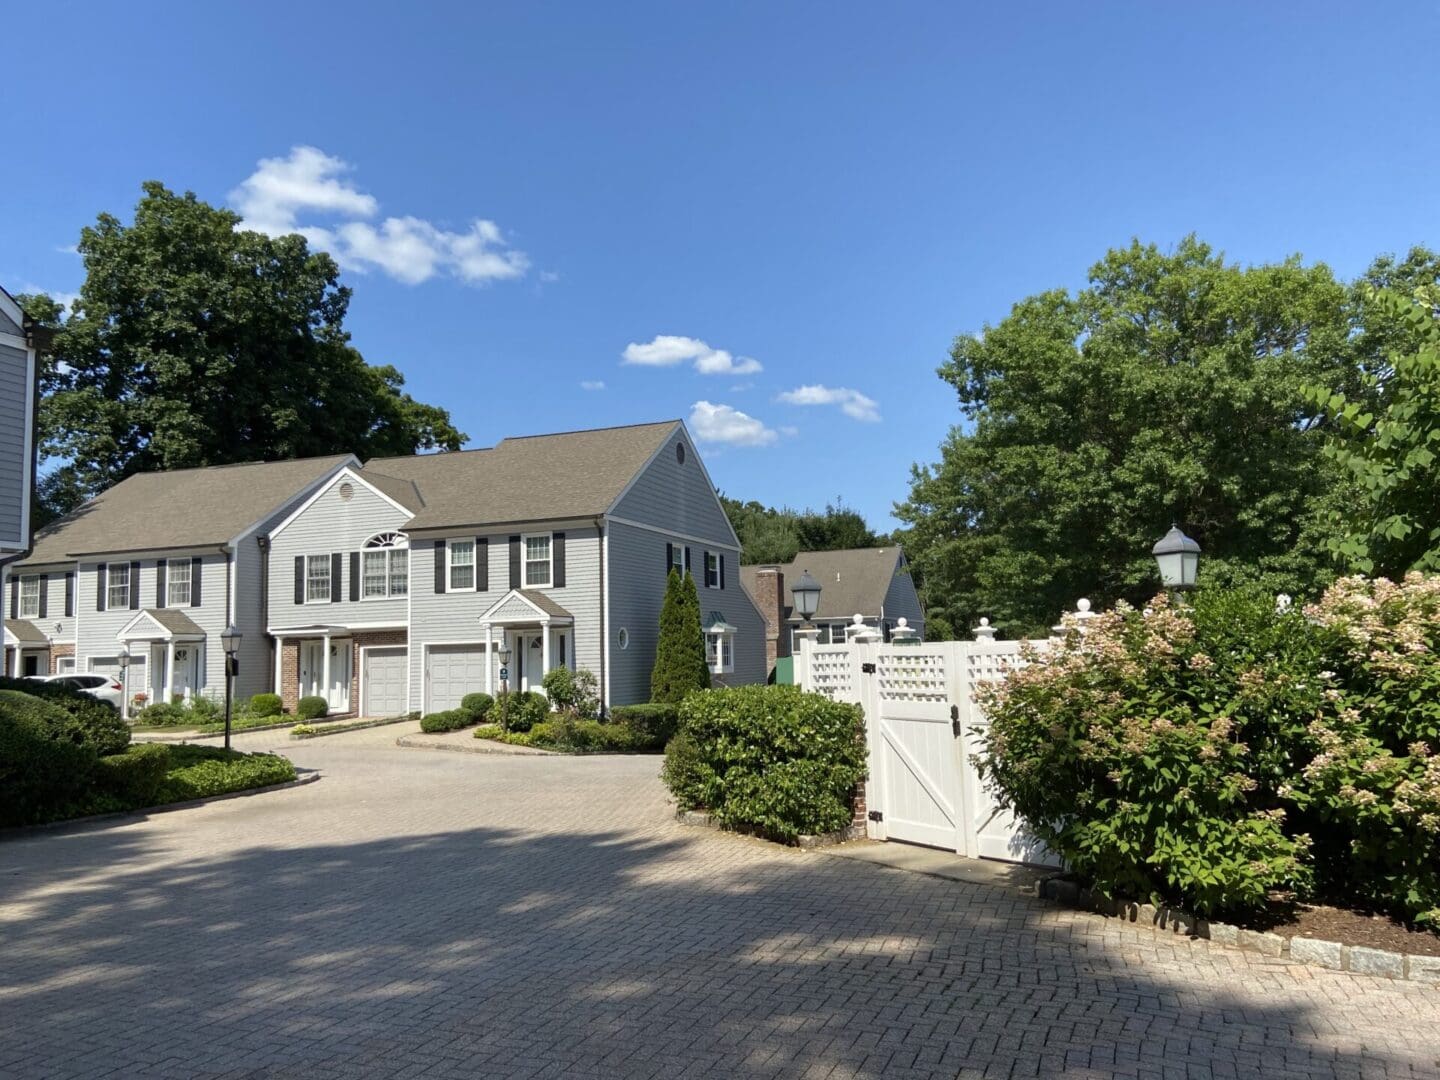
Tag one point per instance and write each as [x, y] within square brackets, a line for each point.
[807, 596]
[1178, 557]
[230, 642]
[504, 656]
[124, 681]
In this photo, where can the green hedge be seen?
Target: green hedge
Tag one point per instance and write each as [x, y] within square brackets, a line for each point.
[568, 735]
[135, 777]
[42, 770]
[265, 705]
[197, 772]
[312, 708]
[93, 723]
[448, 720]
[767, 759]
[477, 706]
[654, 724]
[519, 711]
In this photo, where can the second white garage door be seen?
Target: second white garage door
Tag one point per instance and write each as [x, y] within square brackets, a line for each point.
[384, 682]
[452, 671]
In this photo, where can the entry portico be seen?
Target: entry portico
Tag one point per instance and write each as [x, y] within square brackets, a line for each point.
[170, 646]
[538, 632]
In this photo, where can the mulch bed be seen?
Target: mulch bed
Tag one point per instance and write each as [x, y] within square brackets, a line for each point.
[1349, 927]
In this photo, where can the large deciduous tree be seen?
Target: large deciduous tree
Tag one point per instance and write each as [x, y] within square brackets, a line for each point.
[768, 535]
[195, 342]
[1170, 389]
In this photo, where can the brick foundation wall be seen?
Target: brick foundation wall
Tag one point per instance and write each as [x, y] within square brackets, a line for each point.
[857, 809]
[369, 639]
[57, 652]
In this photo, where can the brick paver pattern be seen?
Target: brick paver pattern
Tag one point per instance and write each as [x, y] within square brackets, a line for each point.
[424, 914]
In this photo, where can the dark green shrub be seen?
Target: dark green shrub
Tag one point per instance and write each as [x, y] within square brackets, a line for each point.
[265, 705]
[476, 706]
[164, 714]
[448, 720]
[93, 723]
[654, 724]
[768, 758]
[42, 770]
[680, 666]
[312, 708]
[197, 772]
[572, 691]
[519, 711]
[206, 711]
[135, 777]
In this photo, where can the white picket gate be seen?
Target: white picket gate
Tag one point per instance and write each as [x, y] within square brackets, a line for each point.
[923, 726]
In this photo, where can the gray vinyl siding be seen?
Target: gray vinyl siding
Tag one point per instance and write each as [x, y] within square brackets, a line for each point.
[637, 590]
[58, 627]
[677, 497]
[328, 525]
[256, 657]
[454, 617]
[901, 600]
[8, 326]
[15, 464]
[98, 629]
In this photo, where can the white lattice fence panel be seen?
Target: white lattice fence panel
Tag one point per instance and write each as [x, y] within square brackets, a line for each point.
[832, 673]
[912, 673]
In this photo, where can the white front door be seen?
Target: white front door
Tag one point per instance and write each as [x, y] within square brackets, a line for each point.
[341, 656]
[312, 667]
[529, 661]
[187, 670]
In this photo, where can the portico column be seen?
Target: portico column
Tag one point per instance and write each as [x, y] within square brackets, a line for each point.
[279, 654]
[544, 647]
[325, 670]
[169, 671]
[489, 658]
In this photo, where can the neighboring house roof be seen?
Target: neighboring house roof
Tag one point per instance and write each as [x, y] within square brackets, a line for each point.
[179, 509]
[25, 632]
[536, 478]
[851, 581]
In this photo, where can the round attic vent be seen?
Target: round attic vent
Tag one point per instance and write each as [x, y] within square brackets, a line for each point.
[347, 491]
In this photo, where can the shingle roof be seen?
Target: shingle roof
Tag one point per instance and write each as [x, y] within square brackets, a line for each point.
[179, 509]
[536, 478]
[177, 622]
[403, 492]
[26, 632]
[853, 580]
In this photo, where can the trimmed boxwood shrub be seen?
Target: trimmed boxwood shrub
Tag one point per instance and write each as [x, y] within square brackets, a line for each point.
[200, 771]
[265, 705]
[312, 708]
[93, 723]
[654, 724]
[135, 777]
[519, 711]
[42, 770]
[768, 759]
[448, 720]
[476, 706]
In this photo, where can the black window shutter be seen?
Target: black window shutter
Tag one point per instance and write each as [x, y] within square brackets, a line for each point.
[669, 557]
[515, 562]
[101, 582]
[722, 570]
[134, 586]
[14, 597]
[196, 565]
[687, 560]
[161, 572]
[439, 566]
[44, 593]
[557, 561]
[705, 567]
[69, 593]
[337, 564]
[299, 579]
[355, 575]
[482, 563]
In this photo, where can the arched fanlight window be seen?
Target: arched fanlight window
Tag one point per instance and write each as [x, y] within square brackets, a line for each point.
[386, 561]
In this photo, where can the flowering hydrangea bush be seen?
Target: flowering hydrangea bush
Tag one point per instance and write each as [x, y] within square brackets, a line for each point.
[1210, 755]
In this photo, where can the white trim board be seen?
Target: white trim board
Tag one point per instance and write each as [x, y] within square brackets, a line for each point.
[718, 546]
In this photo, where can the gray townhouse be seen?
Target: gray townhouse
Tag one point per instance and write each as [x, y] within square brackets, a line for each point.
[394, 586]
[155, 568]
[18, 344]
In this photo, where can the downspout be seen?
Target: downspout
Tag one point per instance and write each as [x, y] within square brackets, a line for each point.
[604, 634]
[263, 542]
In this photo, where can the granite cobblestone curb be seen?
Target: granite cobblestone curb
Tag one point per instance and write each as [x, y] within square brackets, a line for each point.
[1302, 950]
[805, 841]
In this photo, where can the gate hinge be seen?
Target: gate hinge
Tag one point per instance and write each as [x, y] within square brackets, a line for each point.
[955, 720]
[875, 815]
[867, 668]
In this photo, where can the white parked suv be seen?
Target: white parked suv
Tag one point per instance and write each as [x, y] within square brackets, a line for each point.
[105, 687]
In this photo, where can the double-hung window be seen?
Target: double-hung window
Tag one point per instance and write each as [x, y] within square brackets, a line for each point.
[462, 565]
[386, 566]
[677, 559]
[317, 579]
[30, 597]
[720, 651]
[177, 583]
[538, 569]
[117, 592]
[712, 570]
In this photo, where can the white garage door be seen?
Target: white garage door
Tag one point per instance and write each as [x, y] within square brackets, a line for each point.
[452, 671]
[385, 676]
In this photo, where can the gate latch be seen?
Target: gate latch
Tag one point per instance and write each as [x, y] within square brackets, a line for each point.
[875, 815]
[955, 720]
[867, 668]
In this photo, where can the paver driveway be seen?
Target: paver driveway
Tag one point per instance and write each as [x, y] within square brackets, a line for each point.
[427, 914]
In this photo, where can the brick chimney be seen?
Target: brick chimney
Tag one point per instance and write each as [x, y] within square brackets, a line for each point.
[770, 599]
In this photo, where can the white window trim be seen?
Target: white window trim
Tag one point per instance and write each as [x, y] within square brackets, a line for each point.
[724, 641]
[329, 582]
[26, 612]
[709, 555]
[450, 564]
[170, 565]
[525, 560]
[677, 558]
[110, 586]
[388, 551]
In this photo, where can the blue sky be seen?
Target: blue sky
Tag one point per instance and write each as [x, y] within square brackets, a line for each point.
[751, 200]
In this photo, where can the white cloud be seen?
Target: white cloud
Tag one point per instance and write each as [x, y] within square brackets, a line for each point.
[282, 191]
[722, 424]
[592, 384]
[667, 350]
[852, 403]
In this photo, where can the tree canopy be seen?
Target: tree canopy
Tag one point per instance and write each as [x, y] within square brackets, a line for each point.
[768, 535]
[194, 342]
[1173, 388]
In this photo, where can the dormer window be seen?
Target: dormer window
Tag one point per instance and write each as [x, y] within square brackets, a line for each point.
[386, 566]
